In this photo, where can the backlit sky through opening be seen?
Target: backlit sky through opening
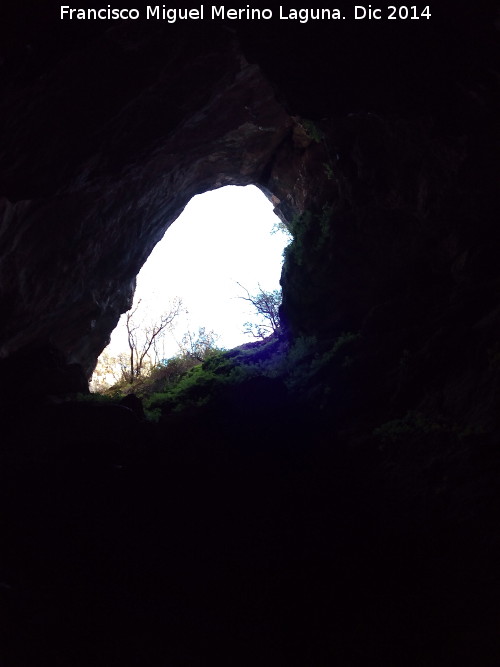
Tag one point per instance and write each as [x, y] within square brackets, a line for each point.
[223, 237]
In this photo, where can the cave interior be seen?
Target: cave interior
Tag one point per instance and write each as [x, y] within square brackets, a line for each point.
[347, 517]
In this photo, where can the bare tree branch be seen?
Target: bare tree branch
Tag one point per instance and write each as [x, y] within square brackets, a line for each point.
[267, 306]
[141, 339]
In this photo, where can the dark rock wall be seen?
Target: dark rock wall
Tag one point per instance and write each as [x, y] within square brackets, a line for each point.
[397, 187]
[109, 130]
[100, 153]
[357, 527]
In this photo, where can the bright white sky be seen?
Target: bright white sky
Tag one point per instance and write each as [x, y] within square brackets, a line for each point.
[221, 238]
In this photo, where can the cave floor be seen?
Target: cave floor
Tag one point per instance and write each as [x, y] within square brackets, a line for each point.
[237, 548]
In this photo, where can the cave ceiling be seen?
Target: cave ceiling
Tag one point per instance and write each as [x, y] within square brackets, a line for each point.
[107, 131]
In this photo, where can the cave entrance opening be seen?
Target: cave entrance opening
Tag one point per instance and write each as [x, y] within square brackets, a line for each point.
[226, 245]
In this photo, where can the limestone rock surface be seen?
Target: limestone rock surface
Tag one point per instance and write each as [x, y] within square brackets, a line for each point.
[99, 155]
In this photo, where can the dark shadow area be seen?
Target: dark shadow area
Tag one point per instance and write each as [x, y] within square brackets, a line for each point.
[328, 496]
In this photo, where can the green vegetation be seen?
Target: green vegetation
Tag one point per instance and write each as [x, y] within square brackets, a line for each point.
[312, 233]
[329, 173]
[416, 425]
[299, 227]
[94, 398]
[411, 425]
[198, 386]
[312, 130]
[281, 227]
[309, 367]
[183, 382]
[202, 373]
